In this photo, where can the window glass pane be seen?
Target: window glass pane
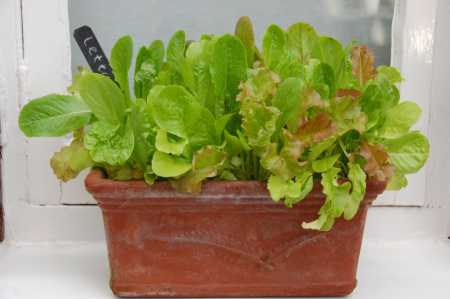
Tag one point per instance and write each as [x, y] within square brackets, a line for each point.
[368, 21]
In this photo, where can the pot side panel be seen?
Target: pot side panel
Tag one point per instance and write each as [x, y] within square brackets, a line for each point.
[246, 251]
[231, 240]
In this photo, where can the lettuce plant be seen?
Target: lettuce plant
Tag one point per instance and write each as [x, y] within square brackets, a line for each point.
[301, 108]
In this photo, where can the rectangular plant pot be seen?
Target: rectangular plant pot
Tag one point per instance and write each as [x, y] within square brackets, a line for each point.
[231, 240]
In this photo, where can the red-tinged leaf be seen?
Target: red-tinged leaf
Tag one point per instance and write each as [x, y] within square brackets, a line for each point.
[363, 64]
[316, 129]
[348, 92]
[377, 161]
[347, 114]
[311, 99]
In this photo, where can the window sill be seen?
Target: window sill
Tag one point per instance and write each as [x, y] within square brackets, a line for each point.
[399, 262]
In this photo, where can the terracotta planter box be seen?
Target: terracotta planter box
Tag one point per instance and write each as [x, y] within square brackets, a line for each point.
[231, 240]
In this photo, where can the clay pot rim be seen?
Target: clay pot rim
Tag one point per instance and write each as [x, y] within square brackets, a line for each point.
[101, 187]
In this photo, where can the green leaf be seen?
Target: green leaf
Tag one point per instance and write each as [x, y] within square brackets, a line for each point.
[244, 31]
[175, 57]
[148, 64]
[149, 176]
[378, 97]
[357, 177]
[290, 66]
[323, 80]
[71, 160]
[292, 191]
[228, 69]
[400, 119]
[74, 87]
[121, 56]
[168, 145]
[284, 162]
[104, 98]
[325, 164]
[288, 100]
[206, 164]
[144, 135]
[302, 40]
[318, 148]
[392, 74]
[397, 181]
[53, 115]
[176, 47]
[261, 86]
[259, 122]
[305, 184]
[337, 198]
[274, 44]
[111, 144]
[347, 114]
[221, 124]
[409, 152]
[199, 56]
[330, 51]
[233, 144]
[166, 165]
[176, 111]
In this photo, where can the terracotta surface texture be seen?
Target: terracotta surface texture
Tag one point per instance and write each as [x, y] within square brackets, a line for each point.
[231, 240]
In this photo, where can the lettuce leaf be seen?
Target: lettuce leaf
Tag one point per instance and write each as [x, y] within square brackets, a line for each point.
[199, 57]
[325, 164]
[376, 161]
[104, 98]
[363, 64]
[397, 181]
[288, 100]
[409, 152]
[258, 122]
[274, 44]
[228, 69]
[399, 120]
[169, 145]
[177, 111]
[207, 163]
[292, 191]
[176, 58]
[330, 51]
[121, 57]
[337, 198]
[166, 165]
[144, 133]
[53, 115]
[71, 159]
[110, 144]
[148, 64]
[302, 40]
[357, 177]
[392, 74]
[244, 31]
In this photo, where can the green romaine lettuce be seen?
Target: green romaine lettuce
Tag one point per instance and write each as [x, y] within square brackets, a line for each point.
[121, 57]
[53, 115]
[104, 98]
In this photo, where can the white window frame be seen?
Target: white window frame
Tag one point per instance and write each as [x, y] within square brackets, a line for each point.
[38, 207]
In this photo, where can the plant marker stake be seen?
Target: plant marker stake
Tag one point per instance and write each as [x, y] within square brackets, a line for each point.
[92, 51]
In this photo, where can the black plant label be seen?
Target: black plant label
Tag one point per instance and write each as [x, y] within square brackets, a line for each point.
[92, 51]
